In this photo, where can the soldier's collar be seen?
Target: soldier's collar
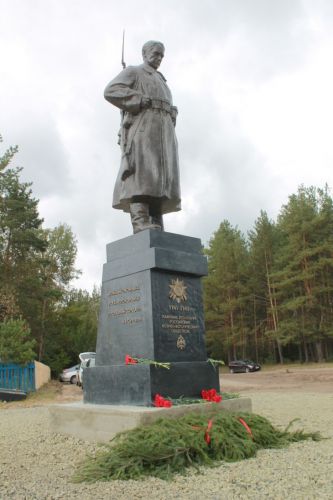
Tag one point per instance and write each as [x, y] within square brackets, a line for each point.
[151, 70]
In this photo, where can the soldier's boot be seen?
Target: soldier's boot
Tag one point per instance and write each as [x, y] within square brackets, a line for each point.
[158, 220]
[140, 217]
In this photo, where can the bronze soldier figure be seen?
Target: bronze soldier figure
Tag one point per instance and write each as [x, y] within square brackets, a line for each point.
[147, 185]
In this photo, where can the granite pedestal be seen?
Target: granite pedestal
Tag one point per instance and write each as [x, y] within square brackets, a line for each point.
[100, 423]
[151, 307]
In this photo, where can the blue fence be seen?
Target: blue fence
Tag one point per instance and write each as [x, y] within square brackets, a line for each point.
[18, 377]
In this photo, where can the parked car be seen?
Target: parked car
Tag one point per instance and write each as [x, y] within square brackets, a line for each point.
[243, 366]
[69, 374]
[87, 359]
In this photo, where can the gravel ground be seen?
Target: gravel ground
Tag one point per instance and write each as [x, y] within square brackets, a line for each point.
[36, 464]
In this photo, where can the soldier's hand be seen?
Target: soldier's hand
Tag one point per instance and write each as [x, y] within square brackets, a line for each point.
[145, 102]
[174, 113]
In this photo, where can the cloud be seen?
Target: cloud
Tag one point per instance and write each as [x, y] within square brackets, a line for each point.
[41, 153]
[252, 81]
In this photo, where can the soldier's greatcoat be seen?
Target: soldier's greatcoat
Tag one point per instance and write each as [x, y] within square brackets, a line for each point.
[148, 140]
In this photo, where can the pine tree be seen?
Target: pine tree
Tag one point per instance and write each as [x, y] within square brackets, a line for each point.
[306, 264]
[19, 222]
[265, 239]
[36, 264]
[226, 293]
[75, 331]
[56, 272]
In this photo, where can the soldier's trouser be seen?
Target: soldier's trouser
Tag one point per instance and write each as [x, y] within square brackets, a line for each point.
[143, 218]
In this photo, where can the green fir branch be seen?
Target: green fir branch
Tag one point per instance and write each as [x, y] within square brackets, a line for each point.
[170, 446]
[152, 362]
[215, 362]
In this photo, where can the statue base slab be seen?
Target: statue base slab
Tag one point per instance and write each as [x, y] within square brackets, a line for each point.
[100, 423]
[151, 308]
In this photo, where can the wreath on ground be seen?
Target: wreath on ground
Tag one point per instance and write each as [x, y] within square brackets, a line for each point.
[170, 446]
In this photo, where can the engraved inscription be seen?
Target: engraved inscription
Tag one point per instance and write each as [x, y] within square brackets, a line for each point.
[180, 320]
[131, 321]
[125, 300]
[129, 310]
[124, 304]
[124, 290]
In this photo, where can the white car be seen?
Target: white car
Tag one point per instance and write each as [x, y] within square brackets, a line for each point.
[69, 374]
[87, 359]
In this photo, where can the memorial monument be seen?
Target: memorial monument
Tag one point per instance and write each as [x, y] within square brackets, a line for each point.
[151, 304]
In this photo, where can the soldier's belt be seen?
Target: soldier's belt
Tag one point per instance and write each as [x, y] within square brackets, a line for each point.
[160, 104]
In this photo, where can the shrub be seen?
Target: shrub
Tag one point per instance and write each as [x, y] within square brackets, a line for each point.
[16, 345]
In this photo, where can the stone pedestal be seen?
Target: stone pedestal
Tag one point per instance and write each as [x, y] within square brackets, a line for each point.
[151, 307]
[100, 423]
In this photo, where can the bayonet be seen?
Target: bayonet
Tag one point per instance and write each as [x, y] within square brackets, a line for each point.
[122, 52]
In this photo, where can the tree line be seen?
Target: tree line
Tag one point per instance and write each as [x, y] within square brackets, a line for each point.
[269, 294]
[41, 315]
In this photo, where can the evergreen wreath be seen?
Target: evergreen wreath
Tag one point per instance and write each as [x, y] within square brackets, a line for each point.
[170, 446]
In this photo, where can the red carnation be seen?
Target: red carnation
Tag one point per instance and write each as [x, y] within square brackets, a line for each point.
[204, 394]
[129, 360]
[211, 395]
[160, 402]
[217, 398]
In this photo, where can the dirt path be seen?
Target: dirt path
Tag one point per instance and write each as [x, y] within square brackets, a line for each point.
[69, 393]
[52, 393]
[44, 466]
[287, 379]
[281, 379]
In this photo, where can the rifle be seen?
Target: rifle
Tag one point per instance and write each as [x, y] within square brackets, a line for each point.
[126, 170]
[124, 66]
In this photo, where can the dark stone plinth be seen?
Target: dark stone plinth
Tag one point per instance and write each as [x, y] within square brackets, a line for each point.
[119, 384]
[185, 379]
[151, 307]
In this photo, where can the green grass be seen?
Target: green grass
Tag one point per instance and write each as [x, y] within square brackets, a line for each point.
[46, 394]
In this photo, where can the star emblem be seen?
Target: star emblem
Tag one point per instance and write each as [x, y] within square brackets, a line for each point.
[178, 290]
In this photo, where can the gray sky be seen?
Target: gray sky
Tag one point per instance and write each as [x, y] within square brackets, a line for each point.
[252, 79]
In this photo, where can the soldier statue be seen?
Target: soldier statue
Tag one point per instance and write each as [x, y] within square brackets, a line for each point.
[147, 185]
